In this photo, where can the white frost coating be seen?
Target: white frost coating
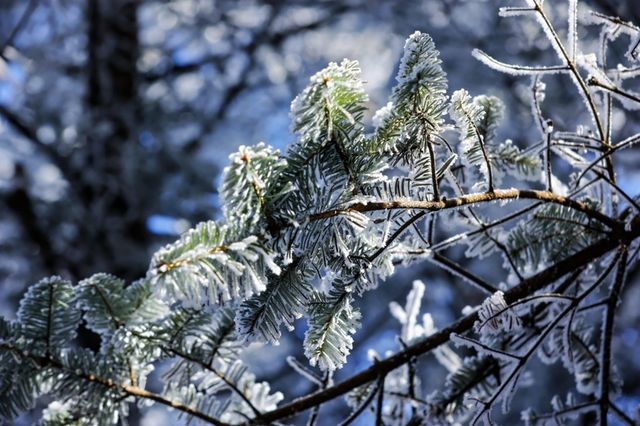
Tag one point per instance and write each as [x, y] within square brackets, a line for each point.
[507, 12]
[539, 94]
[528, 416]
[412, 309]
[468, 310]
[256, 392]
[555, 43]
[629, 104]
[515, 70]
[382, 115]
[243, 244]
[570, 156]
[522, 165]
[462, 341]
[397, 311]
[412, 331]
[622, 72]
[633, 53]
[589, 62]
[412, 63]
[479, 246]
[540, 91]
[557, 185]
[617, 27]
[324, 85]
[56, 410]
[357, 220]
[250, 177]
[408, 316]
[495, 317]
[372, 355]
[573, 30]
[444, 354]
[396, 384]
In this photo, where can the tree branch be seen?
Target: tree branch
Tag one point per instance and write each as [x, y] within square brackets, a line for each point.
[524, 289]
[483, 197]
[108, 383]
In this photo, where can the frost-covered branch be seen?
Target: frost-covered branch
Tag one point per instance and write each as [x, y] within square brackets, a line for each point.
[130, 390]
[465, 200]
[306, 232]
[524, 289]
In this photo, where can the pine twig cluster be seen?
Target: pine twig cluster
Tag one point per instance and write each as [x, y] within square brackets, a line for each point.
[307, 232]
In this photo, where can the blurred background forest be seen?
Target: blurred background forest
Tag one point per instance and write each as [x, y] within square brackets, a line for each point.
[117, 117]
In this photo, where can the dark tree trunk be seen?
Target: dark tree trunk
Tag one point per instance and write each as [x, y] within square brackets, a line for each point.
[116, 232]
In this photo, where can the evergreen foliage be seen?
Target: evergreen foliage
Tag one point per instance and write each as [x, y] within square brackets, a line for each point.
[308, 232]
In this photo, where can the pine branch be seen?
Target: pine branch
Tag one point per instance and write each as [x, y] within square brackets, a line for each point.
[109, 384]
[540, 337]
[526, 288]
[327, 210]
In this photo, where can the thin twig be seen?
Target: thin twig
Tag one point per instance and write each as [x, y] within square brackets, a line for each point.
[594, 82]
[621, 415]
[461, 272]
[361, 407]
[607, 335]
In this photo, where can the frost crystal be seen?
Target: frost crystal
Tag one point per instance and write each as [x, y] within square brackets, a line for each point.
[495, 316]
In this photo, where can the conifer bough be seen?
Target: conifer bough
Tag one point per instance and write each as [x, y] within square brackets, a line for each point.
[307, 232]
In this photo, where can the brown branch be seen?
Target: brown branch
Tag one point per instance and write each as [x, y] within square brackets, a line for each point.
[524, 289]
[465, 200]
[594, 82]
